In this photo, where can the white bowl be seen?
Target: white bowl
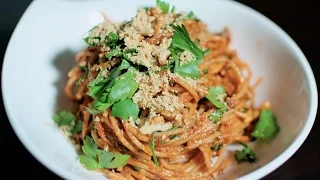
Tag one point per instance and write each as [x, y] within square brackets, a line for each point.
[42, 49]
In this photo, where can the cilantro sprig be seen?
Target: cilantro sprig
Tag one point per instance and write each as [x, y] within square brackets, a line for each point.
[246, 154]
[95, 158]
[65, 118]
[267, 126]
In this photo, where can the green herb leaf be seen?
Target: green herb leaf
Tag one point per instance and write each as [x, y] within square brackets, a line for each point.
[206, 52]
[173, 128]
[171, 137]
[154, 157]
[100, 84]
[216, 115]
[57, 119]
[98, 107]
[77, 128]
[163, 6]
[246, 154]
[64, 118]
[128, 53]
[146, 8]
[216, 96]
[205, 71]
[89, 162]
[125, 109]
[132, 50]
[189, 69]
[124, 65]
[136, 168]
[216, 147]
[89, 147]
[244, 110]
[96, 158]
[111, 160]
[267, 126]
[112, 39]
[85, 71]
[116, 52]
[192, 16]
[173, 9]
[181, 40]
[124, 87]
[108, 90]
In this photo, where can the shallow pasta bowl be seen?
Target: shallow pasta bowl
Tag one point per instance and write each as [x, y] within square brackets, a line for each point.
[42, 48]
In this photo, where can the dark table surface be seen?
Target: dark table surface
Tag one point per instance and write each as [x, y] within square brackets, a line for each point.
[300, 19]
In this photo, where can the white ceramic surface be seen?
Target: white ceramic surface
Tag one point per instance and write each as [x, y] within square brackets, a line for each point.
[42, 49]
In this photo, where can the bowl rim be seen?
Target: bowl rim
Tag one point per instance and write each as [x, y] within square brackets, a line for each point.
[256, 174]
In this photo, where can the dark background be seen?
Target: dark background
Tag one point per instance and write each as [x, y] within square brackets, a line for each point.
[300, 19]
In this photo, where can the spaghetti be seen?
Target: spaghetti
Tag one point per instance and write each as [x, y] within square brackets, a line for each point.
[183, 121]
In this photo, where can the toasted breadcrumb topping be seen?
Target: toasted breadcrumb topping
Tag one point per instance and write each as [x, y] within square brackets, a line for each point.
[152, 93]
[149, 34]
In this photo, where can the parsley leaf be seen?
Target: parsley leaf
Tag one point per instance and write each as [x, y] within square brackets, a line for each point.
[77, 128]
[111, 89]
[125, 109]
[64, 118]
[181, 40]
[95, 158]
[89, 147]
[216, 115]
[124, 87]
[89, 162]
[154, 157]
[111, 160]
[115, 52]
[112, 39]
[267, 125]
[98, 107]
[189, 69]
[216, 96]
[124, 65]
[100, 84]
[173, 9]
[246, 154]
[205, 71]
[165, 7]
[192, 16]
